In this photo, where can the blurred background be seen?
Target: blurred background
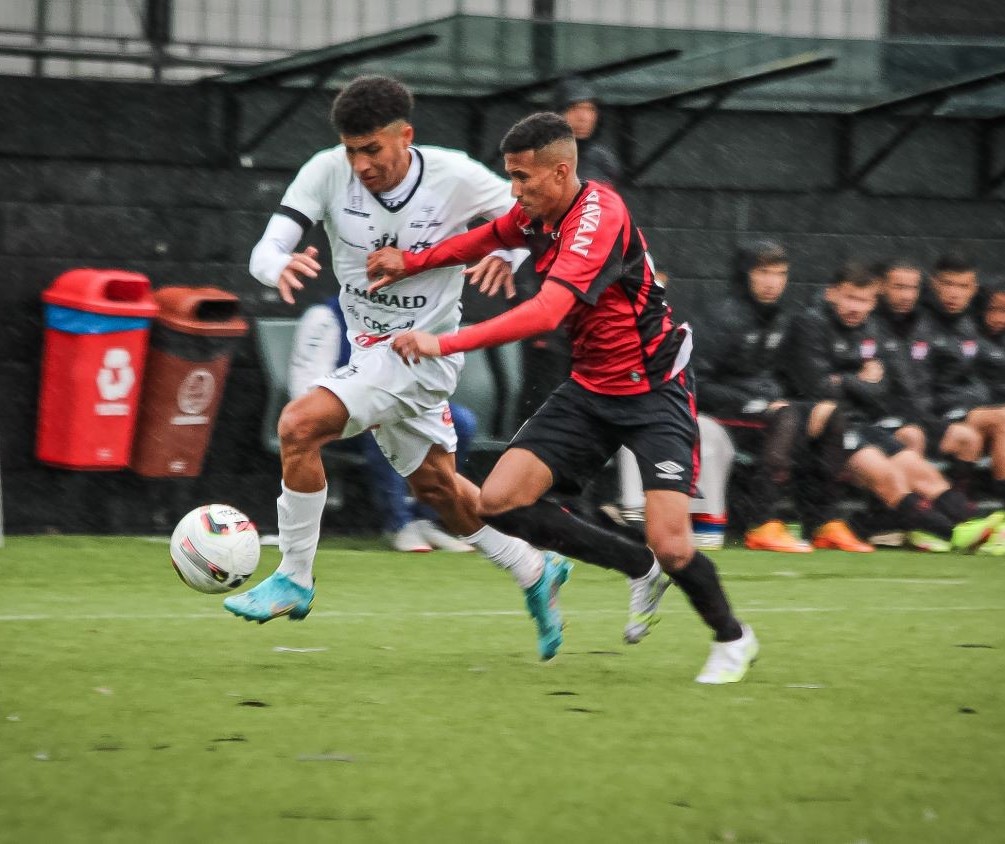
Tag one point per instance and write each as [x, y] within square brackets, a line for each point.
[156, 136]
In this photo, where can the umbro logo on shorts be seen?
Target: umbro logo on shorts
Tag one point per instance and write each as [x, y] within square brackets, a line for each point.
[669, 470]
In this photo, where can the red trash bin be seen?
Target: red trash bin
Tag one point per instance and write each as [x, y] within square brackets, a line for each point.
[191, 344]
[97, 328]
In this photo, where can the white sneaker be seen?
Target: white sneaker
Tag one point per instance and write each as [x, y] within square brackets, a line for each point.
[441, 539]
[644, 598]
[410, 539]
[729, 661]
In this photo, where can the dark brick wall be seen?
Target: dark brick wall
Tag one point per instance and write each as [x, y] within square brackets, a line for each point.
[139, 177]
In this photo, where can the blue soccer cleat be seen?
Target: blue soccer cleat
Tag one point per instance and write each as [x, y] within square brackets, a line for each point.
[275, 596]
[542, 602]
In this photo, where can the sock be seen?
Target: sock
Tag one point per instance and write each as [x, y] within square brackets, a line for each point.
[818, 482]
[299, 532]
[521, 560]
[917, 514]
[633, 496]
[960, 473]
[954, 506]
[999, 488]
[547, 525]
[780, 439]
[654, 569]
[700, 582]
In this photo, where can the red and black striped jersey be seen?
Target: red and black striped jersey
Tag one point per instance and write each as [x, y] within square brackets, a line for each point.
[624, 340]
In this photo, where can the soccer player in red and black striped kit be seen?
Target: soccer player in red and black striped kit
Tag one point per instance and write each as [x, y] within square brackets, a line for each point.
[631, 381]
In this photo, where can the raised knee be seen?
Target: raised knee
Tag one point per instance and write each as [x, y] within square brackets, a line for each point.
[490, 505]
[296, 428]
[673, 550]
[433, 488]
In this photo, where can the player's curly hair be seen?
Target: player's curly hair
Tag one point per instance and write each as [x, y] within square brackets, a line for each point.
[536, 132]
[370, 103]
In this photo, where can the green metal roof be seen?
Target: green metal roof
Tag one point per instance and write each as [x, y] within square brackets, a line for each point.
[484, 57]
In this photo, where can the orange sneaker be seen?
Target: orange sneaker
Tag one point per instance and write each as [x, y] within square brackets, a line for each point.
[773, 536]
[838, 536]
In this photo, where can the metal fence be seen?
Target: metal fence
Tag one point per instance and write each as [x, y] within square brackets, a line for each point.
[110, 38]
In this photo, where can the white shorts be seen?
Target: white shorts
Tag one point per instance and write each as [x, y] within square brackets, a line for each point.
[406, 406]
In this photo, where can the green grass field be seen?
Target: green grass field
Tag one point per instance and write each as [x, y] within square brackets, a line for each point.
[410, 705]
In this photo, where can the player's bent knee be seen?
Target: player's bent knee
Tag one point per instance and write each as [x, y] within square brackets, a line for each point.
[297, 429]
[673, 549]
[434, 488]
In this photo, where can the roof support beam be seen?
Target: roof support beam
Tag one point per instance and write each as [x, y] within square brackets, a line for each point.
[719, 90]
[592, 72]
[321, 65]
[931, 100]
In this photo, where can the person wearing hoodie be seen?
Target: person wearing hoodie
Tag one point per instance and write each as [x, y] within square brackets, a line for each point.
[960, 392]
[739, 386]
[838, 352]
[912, 332]
[991, 355]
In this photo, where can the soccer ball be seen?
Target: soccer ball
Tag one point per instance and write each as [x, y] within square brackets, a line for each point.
[215, 548]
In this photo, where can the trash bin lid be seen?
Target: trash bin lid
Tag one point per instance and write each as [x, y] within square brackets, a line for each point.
[200, 310]
[112, 292]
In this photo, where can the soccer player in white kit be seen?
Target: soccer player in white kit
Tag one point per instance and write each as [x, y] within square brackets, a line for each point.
[377, 189]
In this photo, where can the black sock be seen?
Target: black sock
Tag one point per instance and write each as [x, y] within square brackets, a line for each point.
[960, 474]
[818, 490]
[954, 506]
[780, 437]
[918, 514]
[999, 488]
[547, 525]
[700, 582]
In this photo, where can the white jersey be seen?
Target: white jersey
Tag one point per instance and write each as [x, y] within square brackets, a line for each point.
[452, 190]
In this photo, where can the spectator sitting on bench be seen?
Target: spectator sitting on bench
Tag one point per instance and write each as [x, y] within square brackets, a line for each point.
[800, 441]
[960, 392]
[319, 346]
[991, 354]
[837, 353]
[914, 332]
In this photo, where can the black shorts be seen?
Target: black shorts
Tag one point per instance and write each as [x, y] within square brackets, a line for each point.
[859, 435]
[576, 431]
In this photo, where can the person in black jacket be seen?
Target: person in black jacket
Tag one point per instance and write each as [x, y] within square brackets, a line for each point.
[991, 354]
[837, 352]
[576, 100]
[914, 333]
[740, 388]
[960, 392]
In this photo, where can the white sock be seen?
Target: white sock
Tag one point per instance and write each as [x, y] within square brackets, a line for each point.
[633, 496]
[299, 532]
[653, 572]
[520, 559]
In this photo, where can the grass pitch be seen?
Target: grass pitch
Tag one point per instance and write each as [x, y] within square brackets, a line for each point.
[410, 705]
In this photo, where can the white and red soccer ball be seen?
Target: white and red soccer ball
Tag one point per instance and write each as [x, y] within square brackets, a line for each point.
[215, 548]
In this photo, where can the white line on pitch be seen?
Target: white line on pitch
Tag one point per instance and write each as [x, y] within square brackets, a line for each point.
[465, 613]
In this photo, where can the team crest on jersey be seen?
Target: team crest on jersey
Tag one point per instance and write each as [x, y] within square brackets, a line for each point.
[919, 350]
[447, 417]
[969, 348]
[867, 349]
